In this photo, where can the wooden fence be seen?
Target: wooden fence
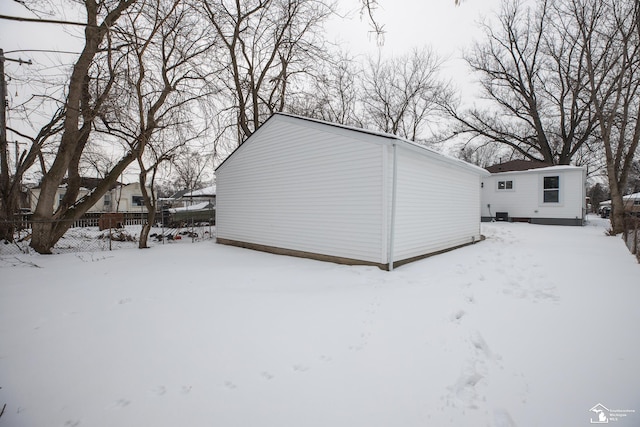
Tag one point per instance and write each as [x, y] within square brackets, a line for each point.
[90, 219]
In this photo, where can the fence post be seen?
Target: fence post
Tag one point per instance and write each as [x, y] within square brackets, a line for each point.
[635, 237]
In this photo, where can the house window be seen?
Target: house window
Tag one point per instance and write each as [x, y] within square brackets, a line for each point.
[137, 200]
[505, 185]
[551, 189]
[107, 199]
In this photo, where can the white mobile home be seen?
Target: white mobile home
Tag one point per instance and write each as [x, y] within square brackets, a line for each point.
[309, 188]
[540, 195]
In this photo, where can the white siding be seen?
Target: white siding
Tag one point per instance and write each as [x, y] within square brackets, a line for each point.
[525, 199]
[437, 205]
[296, 186]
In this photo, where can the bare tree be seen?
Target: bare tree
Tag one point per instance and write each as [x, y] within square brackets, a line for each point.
[534, 82]
[333, 94]
[610, 34]
[401, 94]
[633, 182]
[266, 45]
[369, 8]
[162, 81]
[114, 89]
[72, 119]
[191, 167]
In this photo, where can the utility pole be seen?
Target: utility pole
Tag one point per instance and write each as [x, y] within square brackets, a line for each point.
[4, 155]
[5, 184]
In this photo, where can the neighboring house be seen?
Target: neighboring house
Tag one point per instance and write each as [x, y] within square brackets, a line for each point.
[631, 204]
[120, 198]
[207, 194]
[128, 198]
[86, 186]
[309, 188]
[535, 192]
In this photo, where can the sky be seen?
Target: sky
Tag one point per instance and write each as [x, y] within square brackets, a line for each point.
[408, 24]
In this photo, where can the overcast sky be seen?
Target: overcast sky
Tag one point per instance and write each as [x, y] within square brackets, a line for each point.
[408, 24]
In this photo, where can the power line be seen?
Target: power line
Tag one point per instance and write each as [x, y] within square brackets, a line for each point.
[41, 21]
[43, 50]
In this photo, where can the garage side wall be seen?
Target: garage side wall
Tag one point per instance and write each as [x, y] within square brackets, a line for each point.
[437, 206]
[298, 187]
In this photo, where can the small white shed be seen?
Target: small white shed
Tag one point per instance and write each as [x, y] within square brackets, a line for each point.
[540, 195]
[310, 188]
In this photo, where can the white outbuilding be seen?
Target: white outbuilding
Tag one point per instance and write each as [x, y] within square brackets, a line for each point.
[305, 187]
[535, 192]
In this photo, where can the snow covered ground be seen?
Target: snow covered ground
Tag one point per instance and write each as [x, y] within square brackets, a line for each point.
[534, 326]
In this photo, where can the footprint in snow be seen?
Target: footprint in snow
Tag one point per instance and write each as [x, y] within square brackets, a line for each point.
[457, 316]
[300, 368]
[502, 418]
[122, 403]
[160, 390]
[464, 388]
[481, 345]
[266, 375]
[230, 385]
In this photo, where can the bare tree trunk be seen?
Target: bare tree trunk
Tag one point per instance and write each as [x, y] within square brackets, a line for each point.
[612, 33]
[150, 204]
[76, 128]
[617, 208]
[146, 228]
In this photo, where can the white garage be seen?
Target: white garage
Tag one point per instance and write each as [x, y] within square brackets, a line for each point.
[309, 188]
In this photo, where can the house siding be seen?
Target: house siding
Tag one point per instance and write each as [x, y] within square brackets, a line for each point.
[301, 188]
[309, 188]
[525, 200]
[437, 206]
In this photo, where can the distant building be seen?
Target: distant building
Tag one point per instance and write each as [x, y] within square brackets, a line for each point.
[535, 192]
[631, 203]
[120, 198]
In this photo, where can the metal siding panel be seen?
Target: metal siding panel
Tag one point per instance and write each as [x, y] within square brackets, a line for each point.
[522, 201]
[303, 189]
[525, 201]
[437, 206]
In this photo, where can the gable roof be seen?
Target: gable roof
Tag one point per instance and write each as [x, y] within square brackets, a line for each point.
[362, 134]
[203, 192]
[517, 165]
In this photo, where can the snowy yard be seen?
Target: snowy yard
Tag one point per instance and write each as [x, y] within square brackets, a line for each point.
[534, 326]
